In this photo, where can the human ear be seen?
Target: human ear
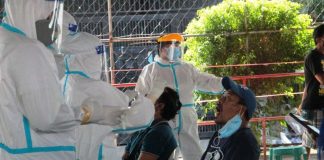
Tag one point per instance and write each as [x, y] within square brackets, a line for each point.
[161, 106]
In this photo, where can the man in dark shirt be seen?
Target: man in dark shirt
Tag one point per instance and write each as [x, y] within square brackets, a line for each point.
[156, 142]
[313, 97]
[234, 141]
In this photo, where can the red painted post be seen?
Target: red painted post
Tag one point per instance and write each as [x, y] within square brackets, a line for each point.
[244, 81]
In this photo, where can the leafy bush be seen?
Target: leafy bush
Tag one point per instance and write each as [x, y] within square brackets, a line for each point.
[274, 31]
[282, 36]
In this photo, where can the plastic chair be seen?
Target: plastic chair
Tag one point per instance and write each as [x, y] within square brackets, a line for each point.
[276, 153]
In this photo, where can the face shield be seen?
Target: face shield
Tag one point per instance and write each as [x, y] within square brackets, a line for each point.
[174, 51]
[47, 29]
[170, 47]
[57, 20]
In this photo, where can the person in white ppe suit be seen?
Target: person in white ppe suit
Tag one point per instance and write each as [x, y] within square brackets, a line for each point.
[83, 54]
[31, 107]
[184, 78]
[35, 123]
[69, 28]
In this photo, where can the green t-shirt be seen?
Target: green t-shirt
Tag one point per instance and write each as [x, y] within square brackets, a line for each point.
[157, 139]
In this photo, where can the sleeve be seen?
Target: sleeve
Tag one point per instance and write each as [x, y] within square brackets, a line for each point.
[205, 82]
[313, 63]
[156, 141]
[134, 117]
[38, 90]
[144, 81]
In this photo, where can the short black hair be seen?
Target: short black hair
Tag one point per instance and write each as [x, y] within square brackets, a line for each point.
[318, 32]
[171, 101]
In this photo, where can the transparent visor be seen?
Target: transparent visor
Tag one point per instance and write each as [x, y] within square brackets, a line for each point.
[174, 51]
[47, 29]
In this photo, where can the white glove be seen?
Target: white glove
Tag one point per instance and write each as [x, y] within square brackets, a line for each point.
[139, 114]
[92, 111]
[158, 86]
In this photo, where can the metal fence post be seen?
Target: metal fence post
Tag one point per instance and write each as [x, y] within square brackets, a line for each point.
[110, 43]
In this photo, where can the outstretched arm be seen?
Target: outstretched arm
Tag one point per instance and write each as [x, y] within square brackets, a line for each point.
[205, 82]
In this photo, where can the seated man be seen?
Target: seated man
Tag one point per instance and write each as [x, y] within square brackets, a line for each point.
[156, 142]
[234, 141]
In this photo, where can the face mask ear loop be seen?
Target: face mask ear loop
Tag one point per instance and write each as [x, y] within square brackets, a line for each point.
[240, 111]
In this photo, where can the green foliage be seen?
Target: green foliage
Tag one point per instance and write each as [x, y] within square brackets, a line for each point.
[284, 38]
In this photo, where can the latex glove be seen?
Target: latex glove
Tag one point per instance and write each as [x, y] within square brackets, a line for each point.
[92, 111]
[140, 113]
[158, 87]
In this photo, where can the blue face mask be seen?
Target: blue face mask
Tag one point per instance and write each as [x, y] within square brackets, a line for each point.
[177, 54]
[174, 54]
[150, 58]
[230, 127]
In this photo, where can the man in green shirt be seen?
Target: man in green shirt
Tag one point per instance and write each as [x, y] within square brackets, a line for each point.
[156, 142]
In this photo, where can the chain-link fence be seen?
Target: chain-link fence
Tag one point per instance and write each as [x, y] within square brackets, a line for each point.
[315, 8]
[134, 23]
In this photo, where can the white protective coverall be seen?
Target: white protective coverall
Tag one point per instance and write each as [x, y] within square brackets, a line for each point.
[83, 53]
[34, 122]
[184, 78]
[69, 28]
